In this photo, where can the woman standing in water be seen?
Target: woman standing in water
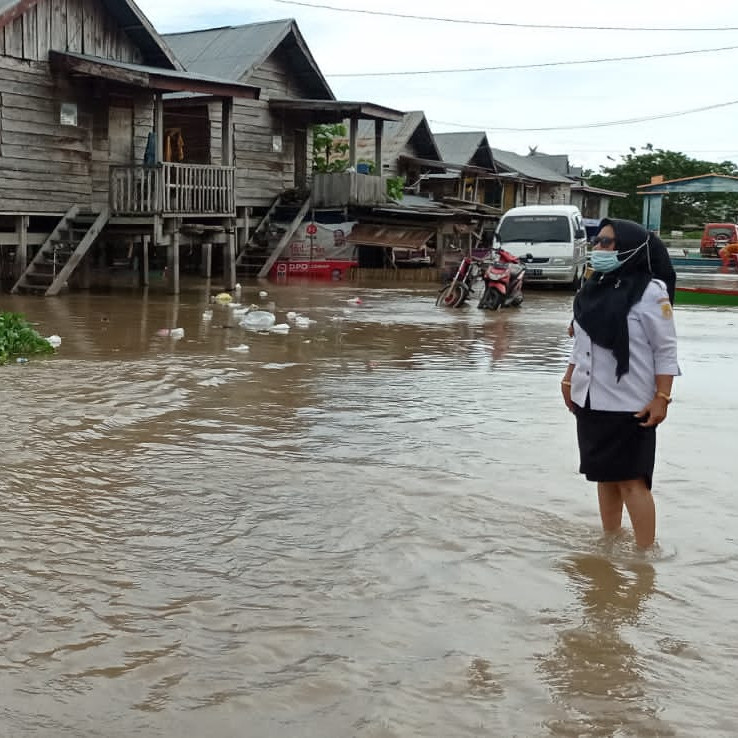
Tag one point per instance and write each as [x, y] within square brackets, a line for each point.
[618, 382]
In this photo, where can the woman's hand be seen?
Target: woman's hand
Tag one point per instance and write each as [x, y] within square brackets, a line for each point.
[566, 394]
[654, 413]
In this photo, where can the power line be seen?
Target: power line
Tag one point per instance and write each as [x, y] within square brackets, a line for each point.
[601, 124]
[479, 22]
[538, 65]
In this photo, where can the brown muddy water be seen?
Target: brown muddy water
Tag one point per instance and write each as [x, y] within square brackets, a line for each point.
[371, 527]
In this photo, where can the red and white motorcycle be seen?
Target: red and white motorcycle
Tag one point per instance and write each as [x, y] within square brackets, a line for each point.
[503, 281]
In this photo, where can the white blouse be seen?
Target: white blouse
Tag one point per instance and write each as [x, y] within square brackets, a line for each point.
[653, 350]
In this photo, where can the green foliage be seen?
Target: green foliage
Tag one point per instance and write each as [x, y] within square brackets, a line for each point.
[18, 338]
[638, 168]
[330, 148]
[395, 188]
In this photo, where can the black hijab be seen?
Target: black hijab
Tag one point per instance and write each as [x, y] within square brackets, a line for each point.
[602, 305]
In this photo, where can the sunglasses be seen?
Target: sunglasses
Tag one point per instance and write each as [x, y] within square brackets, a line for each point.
[604, 241]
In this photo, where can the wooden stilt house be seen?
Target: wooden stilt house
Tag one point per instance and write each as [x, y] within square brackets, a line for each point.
[275, 184]
[88, 150]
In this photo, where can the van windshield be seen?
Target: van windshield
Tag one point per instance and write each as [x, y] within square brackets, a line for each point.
[535, 229]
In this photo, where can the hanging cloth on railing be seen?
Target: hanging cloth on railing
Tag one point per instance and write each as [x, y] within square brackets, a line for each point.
[150, 153]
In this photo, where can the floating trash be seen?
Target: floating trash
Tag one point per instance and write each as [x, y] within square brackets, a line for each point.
[280, 328]
[223, 298]
[21, 360]
[54, 341]
[291, 315]
[263, 294]
[303, 322]
[258, 320]
[207, 315]
[175, 333]
[355, 301]
[242, 349]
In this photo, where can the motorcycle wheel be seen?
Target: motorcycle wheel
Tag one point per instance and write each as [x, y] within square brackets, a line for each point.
[452, 295]
[491, 299]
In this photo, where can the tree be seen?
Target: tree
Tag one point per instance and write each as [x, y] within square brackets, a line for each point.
[677, 210]
[329, 148]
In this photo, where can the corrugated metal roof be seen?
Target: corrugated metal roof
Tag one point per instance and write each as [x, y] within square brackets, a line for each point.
[459, 147]
[7, 5]
[394, 236]
[236, 52]
[528, 166]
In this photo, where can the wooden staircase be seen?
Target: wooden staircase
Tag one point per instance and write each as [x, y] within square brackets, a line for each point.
[62, 252]
[258, 257]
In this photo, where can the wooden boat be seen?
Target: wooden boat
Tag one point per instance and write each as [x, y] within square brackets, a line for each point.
[706, 296]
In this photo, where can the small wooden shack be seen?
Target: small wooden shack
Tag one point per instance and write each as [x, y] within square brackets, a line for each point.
[88, 150]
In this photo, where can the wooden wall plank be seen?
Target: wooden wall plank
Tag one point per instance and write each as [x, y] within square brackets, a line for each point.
[59, 25]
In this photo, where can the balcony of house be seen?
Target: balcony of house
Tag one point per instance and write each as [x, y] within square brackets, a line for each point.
[347, 189]
[353, 187]
[172, 189]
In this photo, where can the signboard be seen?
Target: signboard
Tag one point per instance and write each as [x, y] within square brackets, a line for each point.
[317, 250]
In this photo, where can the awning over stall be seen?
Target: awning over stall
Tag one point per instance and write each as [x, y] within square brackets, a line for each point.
[395, 237]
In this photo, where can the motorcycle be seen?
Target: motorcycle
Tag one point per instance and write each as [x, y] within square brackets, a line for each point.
[503, 281]
[457, 291]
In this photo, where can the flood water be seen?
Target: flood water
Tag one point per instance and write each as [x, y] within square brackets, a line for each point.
[371, 527]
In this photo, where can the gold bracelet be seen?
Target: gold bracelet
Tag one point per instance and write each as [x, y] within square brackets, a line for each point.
[566, 382]
[664, 396]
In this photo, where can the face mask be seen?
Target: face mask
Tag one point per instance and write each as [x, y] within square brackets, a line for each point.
[604, 261]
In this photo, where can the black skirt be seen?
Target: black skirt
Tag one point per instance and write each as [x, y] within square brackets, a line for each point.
[613, 447]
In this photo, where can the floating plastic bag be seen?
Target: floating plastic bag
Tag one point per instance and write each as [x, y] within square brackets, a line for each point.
[258, 320]
[54, 341]
[280, 328]
[223, 298]
[242, 349]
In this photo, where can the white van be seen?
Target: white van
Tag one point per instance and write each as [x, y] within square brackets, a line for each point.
[553, 239]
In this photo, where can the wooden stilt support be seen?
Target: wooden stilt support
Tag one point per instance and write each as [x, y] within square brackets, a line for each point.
[229, 260]
[21, 254]
[173, 264]
[144, 273]
[207, 260]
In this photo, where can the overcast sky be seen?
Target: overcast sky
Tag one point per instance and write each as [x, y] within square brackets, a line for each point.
[565, 96]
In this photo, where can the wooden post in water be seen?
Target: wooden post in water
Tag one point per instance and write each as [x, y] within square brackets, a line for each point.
[21, 255]
[144, 266]
[207, 260]
[173, 263]
[229, 259]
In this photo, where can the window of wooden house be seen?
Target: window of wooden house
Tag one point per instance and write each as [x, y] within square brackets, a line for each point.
[68, 114]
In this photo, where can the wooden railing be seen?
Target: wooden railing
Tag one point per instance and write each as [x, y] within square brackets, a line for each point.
[135, 190]
[339, 189]
[172, 189]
